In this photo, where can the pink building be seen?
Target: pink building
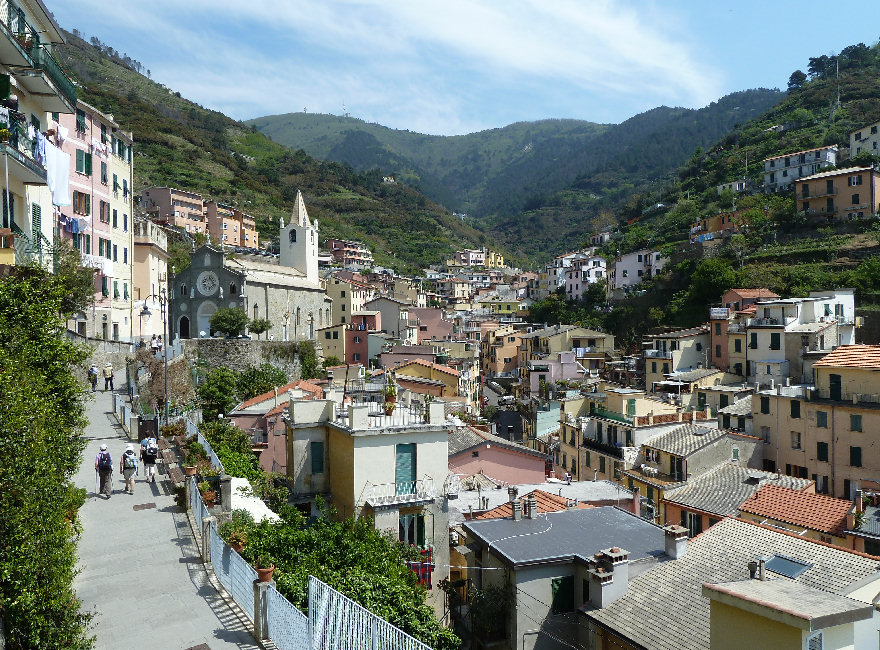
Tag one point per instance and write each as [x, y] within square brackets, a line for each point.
[430, 324]
[261, 418]
[472, 451]
[98, 221]
[400, 354]
[178, 207]
[564, 367]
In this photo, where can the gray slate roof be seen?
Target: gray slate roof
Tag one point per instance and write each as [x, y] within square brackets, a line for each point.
[685, 440]
[664, 608]
[739, 407]
[464, 438]
[563, 536]
[722, 490]
[871, 525]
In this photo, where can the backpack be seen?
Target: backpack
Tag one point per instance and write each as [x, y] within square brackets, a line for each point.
[104, 461]
[129, 461]
[152, 450]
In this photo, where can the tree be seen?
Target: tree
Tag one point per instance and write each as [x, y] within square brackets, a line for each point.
[229, 320]
[260, 325]
[330, 362]
[796, 80]
[710, 279]
[256, 381]
[41, 448]
[217, 393]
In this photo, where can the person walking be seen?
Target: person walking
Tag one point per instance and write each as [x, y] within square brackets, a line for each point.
[104, 468]
[128, 465]
[93, 377]
[108, 376]
[149, 452]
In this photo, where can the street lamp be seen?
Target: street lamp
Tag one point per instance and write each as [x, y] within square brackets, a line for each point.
[162, 297]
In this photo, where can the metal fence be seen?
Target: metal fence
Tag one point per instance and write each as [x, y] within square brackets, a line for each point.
[192, 429]
[288, 627]
[196, 504]
[233, 572]
[339, 623]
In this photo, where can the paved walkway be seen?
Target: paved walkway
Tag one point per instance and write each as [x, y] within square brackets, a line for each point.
[141, 572]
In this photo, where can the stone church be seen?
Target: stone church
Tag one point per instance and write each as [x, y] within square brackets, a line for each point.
[286, 289]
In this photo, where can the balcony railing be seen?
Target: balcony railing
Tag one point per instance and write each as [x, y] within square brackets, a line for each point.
[658, 354]
[609, 450]
[400, 493]
[855, 398]
[45, 61]
[736, 328]
[611, 415]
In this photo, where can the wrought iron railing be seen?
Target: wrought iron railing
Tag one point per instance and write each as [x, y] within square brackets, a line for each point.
[400, 492]
[44, 60]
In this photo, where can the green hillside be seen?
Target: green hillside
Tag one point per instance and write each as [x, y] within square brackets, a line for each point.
[454, 170]
[182, 144]
[532, 185]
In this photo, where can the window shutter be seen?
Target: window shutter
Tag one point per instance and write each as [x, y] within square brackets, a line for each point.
[87, 163]
[405, 463]
[88, 204]
[5, 86]
[36, 219]
[79, 160]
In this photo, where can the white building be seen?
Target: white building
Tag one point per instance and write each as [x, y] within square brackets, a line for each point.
[632, 268]
[780, 172]
[865, 139]
[584, 271]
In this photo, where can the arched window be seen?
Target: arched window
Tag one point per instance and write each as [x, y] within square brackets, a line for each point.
[183, 291]
[296, 323]
[232, 288]
[327, 311]
[293, 236]
[256, 311]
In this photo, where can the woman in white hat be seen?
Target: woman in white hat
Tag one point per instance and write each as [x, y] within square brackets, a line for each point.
[128, 465]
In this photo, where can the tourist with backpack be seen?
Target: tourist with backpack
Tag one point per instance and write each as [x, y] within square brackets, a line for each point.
[93, 377]
[104, 468]
[128, 465]
[149, 452]
[108, 376]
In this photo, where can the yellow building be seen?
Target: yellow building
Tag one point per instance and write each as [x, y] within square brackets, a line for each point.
[829, 432]
[498, 352]
[673, 352]
[843, 194]
[349, 296]
[434, 378]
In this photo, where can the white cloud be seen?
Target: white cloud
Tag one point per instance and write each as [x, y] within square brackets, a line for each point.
[417, 65]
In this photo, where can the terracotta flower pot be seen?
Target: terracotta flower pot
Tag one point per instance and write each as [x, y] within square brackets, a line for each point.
[236, 546]
[391, 398]
[190, 471]
[265, 575]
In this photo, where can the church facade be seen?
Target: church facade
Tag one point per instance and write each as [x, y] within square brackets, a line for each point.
[286, 290]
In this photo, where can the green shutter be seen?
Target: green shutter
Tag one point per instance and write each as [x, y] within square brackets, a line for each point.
[316, 449]
[79, 160]
[103, 172]
[88, 204]
[405, 464]
[563, 594]
[87, 163]
[36, 219]
[88, 247]
[100, 247]
[5, 86]
[105, 289]
[420, 530]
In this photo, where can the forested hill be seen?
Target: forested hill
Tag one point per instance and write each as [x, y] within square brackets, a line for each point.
[531, 184]
[182, 144]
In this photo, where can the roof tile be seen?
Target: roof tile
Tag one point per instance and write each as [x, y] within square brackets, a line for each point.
[851, 356]
[814, 511]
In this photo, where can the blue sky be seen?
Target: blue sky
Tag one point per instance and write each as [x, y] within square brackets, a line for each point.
[457, 66]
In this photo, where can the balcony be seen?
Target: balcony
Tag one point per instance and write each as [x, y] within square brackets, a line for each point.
[47, 81]
[854, 398]
[658, 354]
[764, 322]
[736, 328]
[407, 493]
[20, 150]
[600, 412]
[14, 35]
[609, 450]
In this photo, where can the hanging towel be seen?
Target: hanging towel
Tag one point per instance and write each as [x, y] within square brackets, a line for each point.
[4, 116]
[62, 133]
[40, 150]
[58, 174]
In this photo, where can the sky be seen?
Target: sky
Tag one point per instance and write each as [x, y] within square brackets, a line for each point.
[458, 66]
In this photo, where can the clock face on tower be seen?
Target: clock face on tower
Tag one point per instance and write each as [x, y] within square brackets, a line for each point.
[207, 283]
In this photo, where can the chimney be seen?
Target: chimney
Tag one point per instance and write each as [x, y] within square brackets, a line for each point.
[532, 507]
[753, 569]
[595, 475]
[675, 541]
[511, 493]
[858, 502]
[762, 574]
[636, 502]
[608, 576]
[517, 510]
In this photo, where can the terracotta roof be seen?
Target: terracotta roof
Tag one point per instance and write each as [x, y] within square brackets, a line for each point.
[852, 356]
[755, 293]
[435, 366]
[317, 392]
[546, 503]
[814, 511]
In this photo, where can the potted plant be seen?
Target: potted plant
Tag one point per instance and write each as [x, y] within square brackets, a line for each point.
[210, 498]
[265, 566]
[389, 408]
[237, 539]
[390, 394]
[189, 470]
[5, 135]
